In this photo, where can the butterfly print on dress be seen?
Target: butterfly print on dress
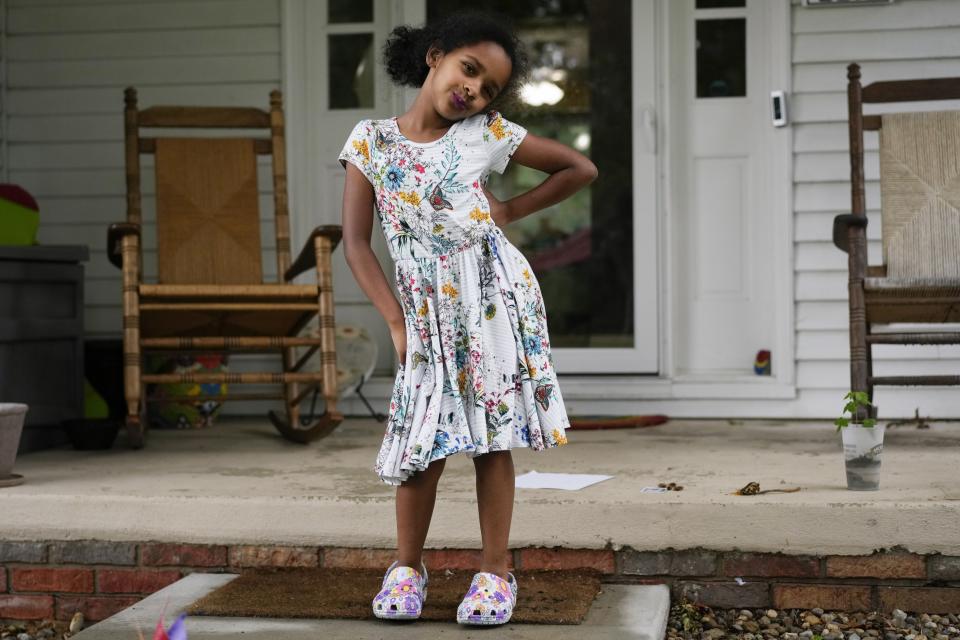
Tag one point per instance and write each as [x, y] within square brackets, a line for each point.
[542, 395]
[438, 201]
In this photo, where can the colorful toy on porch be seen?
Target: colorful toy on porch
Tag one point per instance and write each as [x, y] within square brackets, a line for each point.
[761, 365]
[169, 405]
[19, 216]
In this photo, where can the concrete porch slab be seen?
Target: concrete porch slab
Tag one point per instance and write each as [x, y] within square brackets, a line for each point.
[620, 611]
[240, 483]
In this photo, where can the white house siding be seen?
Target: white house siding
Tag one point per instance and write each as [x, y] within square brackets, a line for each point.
[907, 39]
[68, 62]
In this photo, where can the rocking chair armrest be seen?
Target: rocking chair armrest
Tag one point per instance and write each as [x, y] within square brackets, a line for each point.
[841, 224]
[116, 233]
[308, 255]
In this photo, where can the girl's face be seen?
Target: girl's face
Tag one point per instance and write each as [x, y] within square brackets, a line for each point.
[465, 80]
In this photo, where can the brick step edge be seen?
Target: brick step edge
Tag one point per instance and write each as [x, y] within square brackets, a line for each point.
[56, 578]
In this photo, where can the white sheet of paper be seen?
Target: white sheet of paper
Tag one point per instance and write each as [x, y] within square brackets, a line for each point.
[567, 481]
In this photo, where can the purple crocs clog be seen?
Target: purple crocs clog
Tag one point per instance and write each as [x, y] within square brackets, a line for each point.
[402, 594]
[490, 600]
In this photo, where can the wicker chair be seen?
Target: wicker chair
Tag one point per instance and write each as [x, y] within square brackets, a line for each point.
[919, 280]
[211, 295]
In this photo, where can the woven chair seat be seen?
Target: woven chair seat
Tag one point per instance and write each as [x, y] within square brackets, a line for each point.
[227, 293]
[928, 300]
[913, 287]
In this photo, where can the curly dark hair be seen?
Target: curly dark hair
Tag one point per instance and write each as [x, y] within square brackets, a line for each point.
[405, 51]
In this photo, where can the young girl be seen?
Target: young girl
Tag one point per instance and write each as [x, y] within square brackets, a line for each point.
[476, 374]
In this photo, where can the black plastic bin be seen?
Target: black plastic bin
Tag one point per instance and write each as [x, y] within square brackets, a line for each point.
[103, 368]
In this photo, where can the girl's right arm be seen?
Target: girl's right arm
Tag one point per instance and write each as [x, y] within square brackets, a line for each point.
[358, 203]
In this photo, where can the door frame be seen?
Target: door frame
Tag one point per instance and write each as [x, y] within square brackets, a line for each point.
[645, 358]
[779, 150]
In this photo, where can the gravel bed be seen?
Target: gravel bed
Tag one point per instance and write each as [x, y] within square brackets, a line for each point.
[692, 622]
[42, 630]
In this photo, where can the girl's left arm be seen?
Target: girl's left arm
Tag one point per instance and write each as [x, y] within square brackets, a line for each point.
[569, 172]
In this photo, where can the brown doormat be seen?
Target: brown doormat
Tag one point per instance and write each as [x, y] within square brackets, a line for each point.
[615, 422]
[544, 597]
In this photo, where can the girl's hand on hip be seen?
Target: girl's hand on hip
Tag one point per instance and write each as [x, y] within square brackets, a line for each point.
[398, 332]
[499, 211]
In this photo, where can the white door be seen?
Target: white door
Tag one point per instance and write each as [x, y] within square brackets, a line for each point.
[725, 188]
[333, 79]
[605, 237]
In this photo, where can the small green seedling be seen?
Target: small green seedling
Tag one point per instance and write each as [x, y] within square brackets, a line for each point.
[857, 400]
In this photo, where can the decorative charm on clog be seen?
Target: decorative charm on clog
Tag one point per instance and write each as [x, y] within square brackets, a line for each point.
[402, 594]
[490, 600]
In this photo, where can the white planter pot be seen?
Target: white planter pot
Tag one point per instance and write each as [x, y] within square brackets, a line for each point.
[862, 452]
[11, 426]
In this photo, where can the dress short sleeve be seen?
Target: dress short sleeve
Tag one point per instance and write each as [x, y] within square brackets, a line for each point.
[357, 148]
[501, 137]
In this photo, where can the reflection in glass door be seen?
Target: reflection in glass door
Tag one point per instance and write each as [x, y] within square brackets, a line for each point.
[579, 93]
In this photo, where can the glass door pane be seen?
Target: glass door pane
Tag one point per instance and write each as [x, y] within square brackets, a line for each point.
[351, 70]
[722, 58]
[579, 93]
[720, 4]
[349, 11]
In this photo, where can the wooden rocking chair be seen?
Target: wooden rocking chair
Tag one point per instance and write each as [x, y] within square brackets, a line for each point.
[210, 295]
[919, 281]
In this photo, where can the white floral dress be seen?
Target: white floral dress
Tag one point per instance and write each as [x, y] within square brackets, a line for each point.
[478, 375]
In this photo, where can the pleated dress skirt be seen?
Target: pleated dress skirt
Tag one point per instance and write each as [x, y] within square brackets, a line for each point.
[478, 375]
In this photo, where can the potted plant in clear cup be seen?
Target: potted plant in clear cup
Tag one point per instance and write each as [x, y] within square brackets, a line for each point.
[862, 442]
[11, 427]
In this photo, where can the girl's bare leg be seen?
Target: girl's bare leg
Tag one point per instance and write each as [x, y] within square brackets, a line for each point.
[495, 488]
[415, 500]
